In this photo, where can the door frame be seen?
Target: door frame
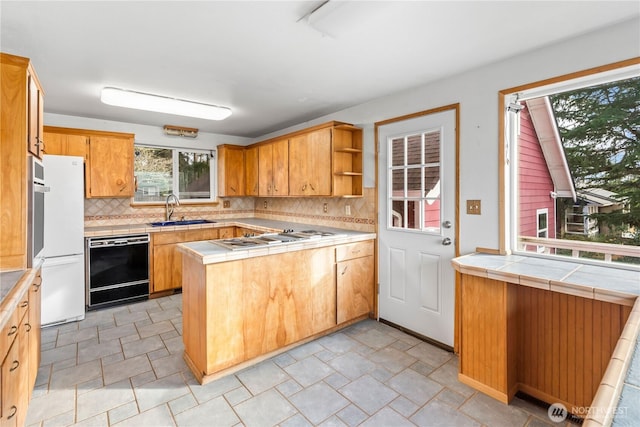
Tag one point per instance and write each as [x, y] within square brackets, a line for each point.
[456, 108]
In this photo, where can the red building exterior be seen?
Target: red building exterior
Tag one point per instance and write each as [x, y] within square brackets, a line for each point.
[535, 182]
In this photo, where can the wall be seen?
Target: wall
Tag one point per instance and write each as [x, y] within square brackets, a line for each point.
[477, 93]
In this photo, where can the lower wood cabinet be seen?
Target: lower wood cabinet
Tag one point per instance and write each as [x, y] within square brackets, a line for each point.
[20, 354]
[354, 280]
[241, 310]
[166, 260]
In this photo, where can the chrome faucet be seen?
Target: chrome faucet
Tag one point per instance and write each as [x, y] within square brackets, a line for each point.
[173, 199]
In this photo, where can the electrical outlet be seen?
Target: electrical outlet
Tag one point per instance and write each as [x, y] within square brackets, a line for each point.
[325, 208]
[265, 204]
[473, 207]
[347, 210]
[226, 204]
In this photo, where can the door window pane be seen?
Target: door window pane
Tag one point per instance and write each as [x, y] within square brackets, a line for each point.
[414, 172]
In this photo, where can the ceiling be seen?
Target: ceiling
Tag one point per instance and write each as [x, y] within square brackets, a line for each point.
[272, 68]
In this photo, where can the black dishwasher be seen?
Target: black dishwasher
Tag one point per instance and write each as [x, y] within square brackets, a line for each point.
[117, 270]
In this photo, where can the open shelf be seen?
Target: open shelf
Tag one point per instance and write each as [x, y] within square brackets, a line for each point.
[347, 161]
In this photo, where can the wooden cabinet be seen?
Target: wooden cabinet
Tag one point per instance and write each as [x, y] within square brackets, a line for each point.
[33, 329]
[251, 171]
[231, 171]
[20, 125]
[238, 310]
[226, 232]
[354, 280]
[63, 144]
[110, 166]
[35, 115]
[324, 160]
[310, 164]
[19, 352]
[273, 168]
[166, 260]
[347, 161]
[108, 157]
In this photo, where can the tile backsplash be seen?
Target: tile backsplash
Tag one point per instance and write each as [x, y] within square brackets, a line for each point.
[361, 215]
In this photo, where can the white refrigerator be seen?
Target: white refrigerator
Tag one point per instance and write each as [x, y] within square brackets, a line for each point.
[63, 289]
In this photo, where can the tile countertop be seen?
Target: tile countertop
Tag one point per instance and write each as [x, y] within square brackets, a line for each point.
[616, 400]
[14, 284]
[209, 253]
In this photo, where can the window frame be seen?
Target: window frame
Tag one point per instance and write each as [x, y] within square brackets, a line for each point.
[508, 126]
[175, 163]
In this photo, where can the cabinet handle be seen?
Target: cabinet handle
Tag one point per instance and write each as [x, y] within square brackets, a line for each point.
[357, 251]
[135, 183]
[275, 188]
[269, 188]
[28, 325]
[24, 304]
[14, 365]
[312, 189]
[14, 411]
[13, 330]
[344, 271]
[304, 187]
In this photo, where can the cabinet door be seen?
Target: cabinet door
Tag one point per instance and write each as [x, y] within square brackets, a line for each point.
[265, 170]
[167, 268]
[230, 171]
[34, 323]
[10, 384]
[226, 232]
[65, 145]
[35, 118]
[280, 167]
[310, 164]
[251, 169]
[354, 288]
[110, 167]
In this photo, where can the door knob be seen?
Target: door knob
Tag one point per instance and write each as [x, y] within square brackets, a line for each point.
[446, 241]
[446, 224]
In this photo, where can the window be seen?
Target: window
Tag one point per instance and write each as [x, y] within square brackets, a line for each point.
[570, 157]
[161, 171]
[414, 177]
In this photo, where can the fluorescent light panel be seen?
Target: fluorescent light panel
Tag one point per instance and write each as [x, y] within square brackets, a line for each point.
[162, 104]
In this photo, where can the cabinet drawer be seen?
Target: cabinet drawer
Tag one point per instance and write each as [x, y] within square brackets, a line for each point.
[354, 250]
[166, 237]
[9, 332]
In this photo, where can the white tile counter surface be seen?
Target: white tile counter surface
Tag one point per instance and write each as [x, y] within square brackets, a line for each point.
[209, 253]
[616, 401]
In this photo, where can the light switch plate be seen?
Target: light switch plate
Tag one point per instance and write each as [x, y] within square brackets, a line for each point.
[226, 204]
[473, 207]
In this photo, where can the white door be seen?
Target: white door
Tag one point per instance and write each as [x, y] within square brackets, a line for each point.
[417, 179]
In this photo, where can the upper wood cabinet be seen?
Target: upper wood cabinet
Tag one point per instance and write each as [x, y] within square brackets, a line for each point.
[310, 164]
[347, 160]
[324, 160]
[273, 168]
[108, 158]
[231, 171]
[35, 113]
[63, 144]
[20, 121]
[251, 173]
[110, 167]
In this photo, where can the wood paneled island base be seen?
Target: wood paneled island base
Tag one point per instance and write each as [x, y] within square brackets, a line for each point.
[239, 312]
[550, 345]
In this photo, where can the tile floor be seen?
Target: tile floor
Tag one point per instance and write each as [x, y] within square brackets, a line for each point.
[123, 367]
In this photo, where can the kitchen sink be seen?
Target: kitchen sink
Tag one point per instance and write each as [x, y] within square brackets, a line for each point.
[180, 222]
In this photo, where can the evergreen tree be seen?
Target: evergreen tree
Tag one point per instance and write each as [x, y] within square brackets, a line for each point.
[600, 127]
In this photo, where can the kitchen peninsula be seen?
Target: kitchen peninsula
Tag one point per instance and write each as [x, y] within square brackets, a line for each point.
[245, 304]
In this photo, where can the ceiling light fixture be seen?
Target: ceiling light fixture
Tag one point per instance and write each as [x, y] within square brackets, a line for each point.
[162, 104]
